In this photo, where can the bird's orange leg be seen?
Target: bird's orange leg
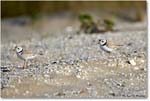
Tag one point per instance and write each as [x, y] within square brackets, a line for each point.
[25, 65]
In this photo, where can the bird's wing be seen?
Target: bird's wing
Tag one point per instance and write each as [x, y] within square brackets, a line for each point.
[29, 56]
[112, 45]
[28, 52]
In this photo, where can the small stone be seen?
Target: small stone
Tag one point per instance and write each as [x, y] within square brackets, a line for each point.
[47, 95]
[129, 44]
[78, 76]
[143, 69]
[135, 51]
[60, 94]
[41, 53]
[45, 81]
[70, 37]
[113, 94]
[27, 92]
[19, 81]
[12, 86]
[89, 84]
[142, 61]
[45, 64]
[136, 68]
[46, 75]
[81, 91]
[69, 29]
[132, 84]
[16, 90]
[132, 62]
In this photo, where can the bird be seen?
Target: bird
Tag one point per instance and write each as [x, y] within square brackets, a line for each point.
[106, 46]
[24, 55]
[110, 48]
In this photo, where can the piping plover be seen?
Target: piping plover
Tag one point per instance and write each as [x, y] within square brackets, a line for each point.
[107, 46]
[104, 46]
[24, 55]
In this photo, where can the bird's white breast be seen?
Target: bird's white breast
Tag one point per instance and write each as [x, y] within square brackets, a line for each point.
[26, 56]
[106, 49]
[20, 56]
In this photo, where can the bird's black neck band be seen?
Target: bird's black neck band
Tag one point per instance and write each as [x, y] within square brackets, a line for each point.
[104, 44]
[21, 51]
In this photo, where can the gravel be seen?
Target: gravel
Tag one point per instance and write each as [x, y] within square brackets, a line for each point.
[72, 65]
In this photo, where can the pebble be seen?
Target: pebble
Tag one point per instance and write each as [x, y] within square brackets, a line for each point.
[78, 57]
[46, 95]
[12, 86]
[142, 61]
[59, 94]
[19, 80]
[143, 69]
[89, 84]
[132, 62]
[78, 76]
[69, 29]
[132, 84]
[27, 92]
[46, 75]
[136, 68]
[46, 81]
[113, 94]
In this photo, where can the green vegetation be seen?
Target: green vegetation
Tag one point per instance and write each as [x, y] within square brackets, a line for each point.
[87, 24]
[86, 19]
[108, 24]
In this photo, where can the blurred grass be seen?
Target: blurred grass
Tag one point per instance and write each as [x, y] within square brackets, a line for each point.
[31, 8]
[108, 24]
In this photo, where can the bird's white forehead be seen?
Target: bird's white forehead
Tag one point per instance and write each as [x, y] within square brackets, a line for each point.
[102, 41]
[18, 49]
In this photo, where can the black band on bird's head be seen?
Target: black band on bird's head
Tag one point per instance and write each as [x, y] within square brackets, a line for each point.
[20, 52]
[104, 43]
